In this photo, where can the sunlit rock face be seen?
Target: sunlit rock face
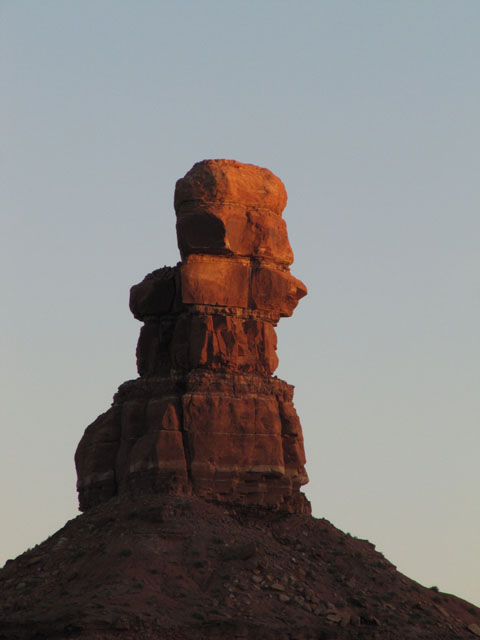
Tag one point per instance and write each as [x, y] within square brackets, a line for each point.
[206, 417]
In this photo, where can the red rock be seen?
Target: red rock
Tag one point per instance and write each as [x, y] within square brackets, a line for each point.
[155, 295]
[224, 342]
[225, 207]
[163, 413]
[275, 290]
[215, 281]
[95, 458]
[205, 416]
[162, 450]
[153, 354]
[235, 453]
[133, 420]
[225, 230]
[230, 182]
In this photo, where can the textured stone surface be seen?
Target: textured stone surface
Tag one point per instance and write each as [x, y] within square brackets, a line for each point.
[219, 182]
[180, 568]
[225, 207]
[215, 281]
[206, 417]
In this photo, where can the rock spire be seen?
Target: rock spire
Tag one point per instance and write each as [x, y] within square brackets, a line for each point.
[206, 417]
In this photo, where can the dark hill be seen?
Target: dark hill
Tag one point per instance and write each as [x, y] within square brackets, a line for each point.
[178, 568]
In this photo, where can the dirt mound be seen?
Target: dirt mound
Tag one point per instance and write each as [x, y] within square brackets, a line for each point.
[180, 568]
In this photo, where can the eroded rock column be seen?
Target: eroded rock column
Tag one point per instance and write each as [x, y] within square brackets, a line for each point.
[206, 417]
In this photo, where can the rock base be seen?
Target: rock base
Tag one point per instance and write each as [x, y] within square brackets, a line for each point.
[224, 437]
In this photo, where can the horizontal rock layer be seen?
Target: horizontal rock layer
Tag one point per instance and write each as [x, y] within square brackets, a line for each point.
[205, 417]
[226, 207]
[217, 342]
[225, 437]
[216, 281]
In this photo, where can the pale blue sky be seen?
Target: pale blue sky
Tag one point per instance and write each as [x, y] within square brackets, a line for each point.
[369, 112]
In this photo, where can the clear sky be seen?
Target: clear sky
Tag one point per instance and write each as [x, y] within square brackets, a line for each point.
[369, 112]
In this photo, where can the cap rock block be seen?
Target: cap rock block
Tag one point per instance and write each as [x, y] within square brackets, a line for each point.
[225, 207]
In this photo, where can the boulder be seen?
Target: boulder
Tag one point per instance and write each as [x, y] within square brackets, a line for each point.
[225, 207]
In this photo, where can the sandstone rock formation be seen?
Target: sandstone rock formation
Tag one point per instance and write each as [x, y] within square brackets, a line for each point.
[179, 545]
[206, 417]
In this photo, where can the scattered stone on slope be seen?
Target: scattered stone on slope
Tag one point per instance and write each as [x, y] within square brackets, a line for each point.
[180, 568]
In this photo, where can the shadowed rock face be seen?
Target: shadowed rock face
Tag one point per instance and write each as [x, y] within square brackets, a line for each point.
[206, 417]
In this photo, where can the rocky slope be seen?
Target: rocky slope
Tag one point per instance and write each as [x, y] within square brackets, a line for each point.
[180, 568]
